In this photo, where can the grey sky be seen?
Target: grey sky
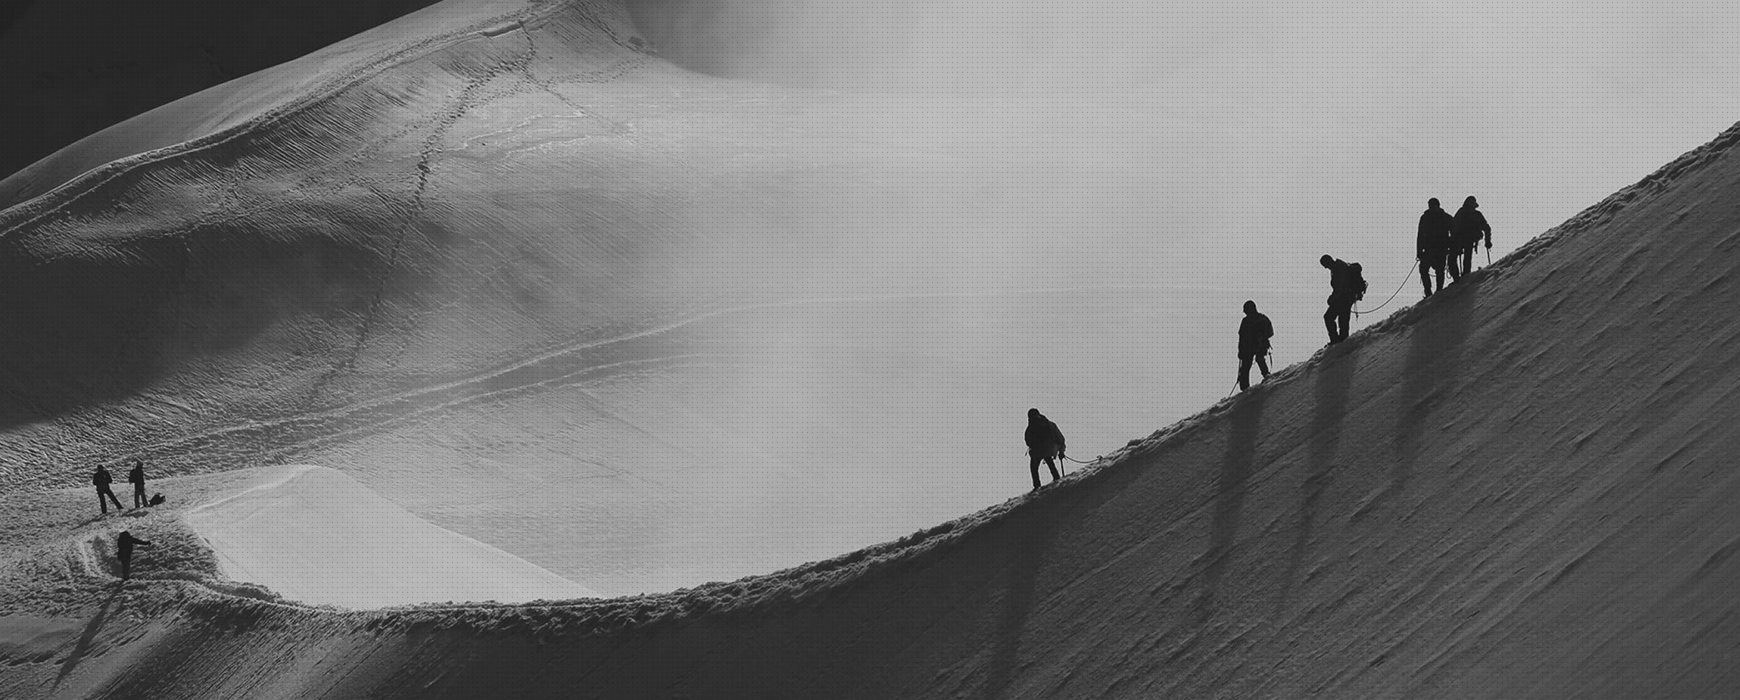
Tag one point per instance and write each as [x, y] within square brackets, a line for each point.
[1224, 146]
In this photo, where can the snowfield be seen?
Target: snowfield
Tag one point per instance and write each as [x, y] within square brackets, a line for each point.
[510, 283]
[314, 535]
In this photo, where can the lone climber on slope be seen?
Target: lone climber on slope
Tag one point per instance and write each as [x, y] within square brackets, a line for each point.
[1044, 442]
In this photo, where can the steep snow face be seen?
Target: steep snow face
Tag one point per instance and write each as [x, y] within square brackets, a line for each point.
[314, 535]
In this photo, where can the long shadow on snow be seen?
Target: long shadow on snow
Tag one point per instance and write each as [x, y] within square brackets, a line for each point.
[89, 635]
[1334, 375]
[1434, 358]
[1245, 419]
[1032, 539]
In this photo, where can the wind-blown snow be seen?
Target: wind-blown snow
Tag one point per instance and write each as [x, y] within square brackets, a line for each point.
[315, 535]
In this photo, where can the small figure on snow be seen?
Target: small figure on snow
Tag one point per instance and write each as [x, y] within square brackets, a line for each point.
[1346, 286]
[1044, 442]
[136, 476]
[101, 479]
[1254, 334]
[1432, 245]
[1470, 226]
[124, 551]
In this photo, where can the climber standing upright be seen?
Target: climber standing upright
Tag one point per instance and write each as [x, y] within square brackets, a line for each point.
[1044, 443]
[1254, 333]
[101, 478]
[136, 477]
[1346, 286]
[1432, 245]
[1470, 226]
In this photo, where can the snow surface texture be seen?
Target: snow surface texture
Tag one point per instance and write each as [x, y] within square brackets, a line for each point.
[1518, 488]
[314, 535]
[72, 67]
[531, 283]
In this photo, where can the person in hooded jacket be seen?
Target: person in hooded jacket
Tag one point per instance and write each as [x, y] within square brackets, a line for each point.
[1432, 245]
[1044, 443]
[1254, 333]
[1470, 225]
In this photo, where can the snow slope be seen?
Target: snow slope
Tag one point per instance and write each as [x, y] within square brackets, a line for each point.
[1517, 488]
[314, 535]
[72, 67]
[638, 326]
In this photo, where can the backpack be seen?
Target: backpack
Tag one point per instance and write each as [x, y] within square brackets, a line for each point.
[156, 500]
[1355, 281]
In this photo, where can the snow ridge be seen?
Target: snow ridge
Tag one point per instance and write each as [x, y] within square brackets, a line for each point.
[1499, 474]
[21, 215]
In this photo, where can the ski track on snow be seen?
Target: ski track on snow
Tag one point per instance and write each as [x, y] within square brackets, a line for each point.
[255, 443]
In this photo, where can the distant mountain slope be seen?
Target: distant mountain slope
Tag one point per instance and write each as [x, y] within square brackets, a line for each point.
[161, 271]
[70, 68]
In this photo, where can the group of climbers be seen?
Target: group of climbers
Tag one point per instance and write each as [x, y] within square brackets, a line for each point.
[125, 541]
[1447, 243]
[1444, 242]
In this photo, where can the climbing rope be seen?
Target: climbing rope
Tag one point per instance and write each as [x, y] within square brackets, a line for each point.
[1393, 294]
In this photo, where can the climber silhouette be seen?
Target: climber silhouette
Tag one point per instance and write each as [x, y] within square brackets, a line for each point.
[101, 479]
[1470, 225]
[1344, 290]
[1044, 442]
[1254, 334]
[136, 476]
[1432, 245]
[124, 550]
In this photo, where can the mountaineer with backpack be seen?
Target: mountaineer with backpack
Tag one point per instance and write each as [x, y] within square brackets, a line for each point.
[1346, 286]
[1470, 225]
[1044, 442]
[1254, 334]
[1432, 245]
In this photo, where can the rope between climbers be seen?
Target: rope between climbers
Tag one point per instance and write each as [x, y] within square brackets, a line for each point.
[1393, 294]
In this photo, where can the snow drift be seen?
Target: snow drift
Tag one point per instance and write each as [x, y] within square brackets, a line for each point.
[1515, 488]
[314, 535]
